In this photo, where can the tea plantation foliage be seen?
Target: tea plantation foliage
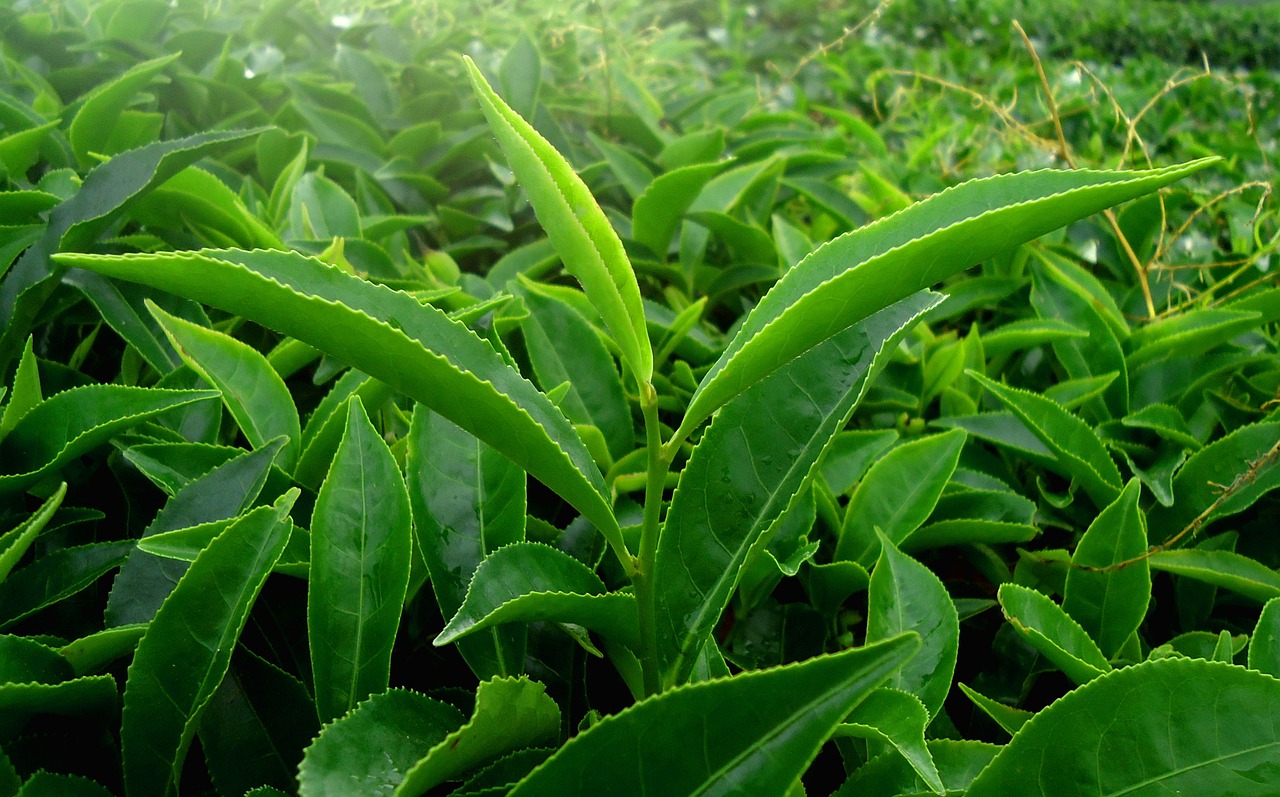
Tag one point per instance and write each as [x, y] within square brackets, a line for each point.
[638, 398]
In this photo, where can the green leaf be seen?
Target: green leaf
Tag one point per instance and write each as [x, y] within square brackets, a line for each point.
[656, 214]
[186, 650]
[755, 732]
[897, 494]
[15, 542]
[75, 421]
[1189, 333]
[899, 719]
[27, 393]
[57, 575]
[324, 428]
[510, 713]
[863, 271]
[361, 543]
[563, 348]
[193, 200]
[1238, 460]
[520, 75]
[904, 595]
[587, 244]
[1062, 291]
[390, 336]
[49, 784]
[100, 111]
[958, 763]
[1116, 735]
[121, 305]
[1264, 645]
[1051, 631]
[1110, 603]
[530, 581]
[252, 391]
[746, 471]
[1078, 449]
[468, 501]
[75, 224]
[370, 750]
[1236, 572]
[90, 653]
[221, 494]
[1006, 716]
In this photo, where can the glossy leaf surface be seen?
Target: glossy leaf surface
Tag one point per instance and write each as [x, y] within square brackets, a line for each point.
[1051, 631]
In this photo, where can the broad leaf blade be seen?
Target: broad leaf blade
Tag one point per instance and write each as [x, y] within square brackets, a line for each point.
[756, 456]
[371, 749]
[252, 391]
[899, 719]
[756, 732]
[187, 648]
[579, 230]
[1264, 645]
[904, 595]
[510, 714]
[1051, 631]
[1172, 726]
[860, 272]
[412, 347]
[361, 546]
[1227, 569]
[1110, 603]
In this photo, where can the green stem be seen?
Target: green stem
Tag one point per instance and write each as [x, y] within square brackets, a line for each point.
[649, 532]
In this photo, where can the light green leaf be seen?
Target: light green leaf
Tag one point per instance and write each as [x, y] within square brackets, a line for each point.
[390, 336]
[510, 714]
[904, 595]
[656, 214]
[1236, 572]
[361, 544]
[26, 394]
[958, 763]
[468, 501]
[858, 273]
[100, 111]
[588, 246]
[897, 494]
[1115, 736]
[520, 75]
[252, 391]
[1110, 603]
[1051, 631]
[898, 718]
[370, 750]
[755, 458]
[1006, 716]
[187, 648]
[757, 731]
[90, 653]
[528, 581]
[1079, 451]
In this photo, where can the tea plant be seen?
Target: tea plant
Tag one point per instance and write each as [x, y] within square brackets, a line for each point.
[779, 487]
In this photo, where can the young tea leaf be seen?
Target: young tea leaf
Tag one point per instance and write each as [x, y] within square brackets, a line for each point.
[1051, 631]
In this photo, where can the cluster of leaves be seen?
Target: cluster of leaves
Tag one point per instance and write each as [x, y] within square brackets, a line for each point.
[354, 438]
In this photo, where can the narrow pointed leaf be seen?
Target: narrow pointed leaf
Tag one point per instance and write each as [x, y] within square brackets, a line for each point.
[100, 112]
[187, 648]
[361, 545]
[750, 464]
[1110, 604]
[959, 762]
[73, 422]
[371, 749]
[252, 391]
[860, 272]
[468, 501]
[1118, 735]
[510, 714]
[904, 595]
[898, 718]
[1051, 631]
[1006, 716]
[15, 542]
[1227, 569]
[587, 244]
[530, 581]
[106, 193]
[1078, 449]
[755, 733]
[57, 575]
[897, 494]
[656, 215]
[412, 347]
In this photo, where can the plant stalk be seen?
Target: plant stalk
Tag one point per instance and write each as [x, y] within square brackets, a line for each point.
[649, 532]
